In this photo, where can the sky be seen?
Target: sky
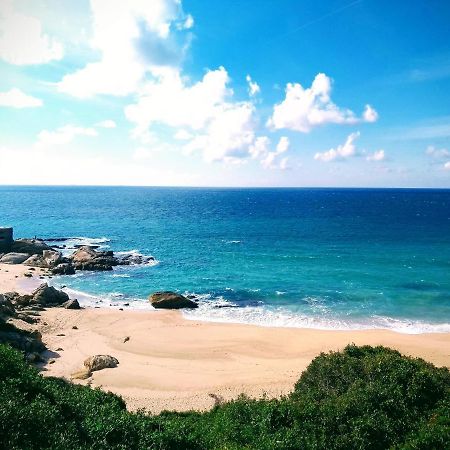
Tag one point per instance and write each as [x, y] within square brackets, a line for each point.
[235, 93]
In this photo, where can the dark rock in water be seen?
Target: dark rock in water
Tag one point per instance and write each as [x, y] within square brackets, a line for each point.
[30, 246]
[134, 259]
[72, 304]
[64, 269]
[191, 296]
[99, 362]
[93, 247]
[171, 300]
[86, 258]
[14, 258]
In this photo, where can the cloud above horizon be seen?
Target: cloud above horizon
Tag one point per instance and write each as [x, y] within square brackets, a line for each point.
[22, 40]
[15, 98]
[303, 109]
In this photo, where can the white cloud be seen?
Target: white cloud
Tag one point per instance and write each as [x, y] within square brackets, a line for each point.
[303, 109]
[133, 37]
[63, 135]
[437, 153]
[143, 153]
[203, 114]
[22, 40]
[229, 133]
[15, 98]
[107, 124]
[260, 149]
[343, 151]
[447, 165]
[376, 156]
[183, 135]
[171, 102]
[188, 23]
[253, 86]
[370, 115]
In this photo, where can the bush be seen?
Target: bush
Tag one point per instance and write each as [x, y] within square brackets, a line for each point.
[361, 398]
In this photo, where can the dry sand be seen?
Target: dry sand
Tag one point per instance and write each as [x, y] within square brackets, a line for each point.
[172, 363]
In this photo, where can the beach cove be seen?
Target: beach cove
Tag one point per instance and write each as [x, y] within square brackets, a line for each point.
[170, 363]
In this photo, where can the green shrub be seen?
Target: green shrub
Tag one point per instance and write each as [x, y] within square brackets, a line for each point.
[361, 398]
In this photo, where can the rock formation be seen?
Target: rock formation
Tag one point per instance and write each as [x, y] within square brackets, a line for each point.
[171, 300]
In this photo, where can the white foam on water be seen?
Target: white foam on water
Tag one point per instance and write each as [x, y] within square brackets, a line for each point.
[219, 309]
[223, 311]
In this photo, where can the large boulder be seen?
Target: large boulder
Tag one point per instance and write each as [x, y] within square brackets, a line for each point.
[99, 362]
[14, 258]
[171, 300]
[64, 269]
[48, 259]
[86, 258]
[30, 246]
[46, 295]
[72, 304]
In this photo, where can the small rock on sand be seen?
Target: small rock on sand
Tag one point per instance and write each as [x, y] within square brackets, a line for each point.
[99, 362]
[82, 374]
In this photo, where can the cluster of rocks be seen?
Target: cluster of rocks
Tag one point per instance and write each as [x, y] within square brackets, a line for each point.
[27, 308]
[36, 253]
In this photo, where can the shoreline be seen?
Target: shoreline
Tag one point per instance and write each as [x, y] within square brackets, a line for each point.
[170, 362]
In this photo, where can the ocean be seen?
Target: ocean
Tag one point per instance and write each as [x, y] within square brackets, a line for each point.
[314, 258]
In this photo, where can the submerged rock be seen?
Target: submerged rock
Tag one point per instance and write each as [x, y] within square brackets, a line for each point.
[99, 362]
[171, 300]
[14, 258]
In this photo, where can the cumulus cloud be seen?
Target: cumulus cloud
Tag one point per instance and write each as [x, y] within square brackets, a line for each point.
[22, 40]
[203, 114]
[107, 124]
[133, 38]
[253, 86]
[370, 115]
[344, 151]
[447, 165]
[376, 156]
[15, 98]
[305, 108]
[63, 135]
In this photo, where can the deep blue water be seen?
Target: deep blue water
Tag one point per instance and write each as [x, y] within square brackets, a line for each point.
[329, 258]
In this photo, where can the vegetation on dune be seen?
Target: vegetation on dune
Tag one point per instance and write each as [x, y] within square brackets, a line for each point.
[360, 398]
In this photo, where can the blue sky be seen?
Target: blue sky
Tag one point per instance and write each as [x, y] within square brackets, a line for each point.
[236, 93]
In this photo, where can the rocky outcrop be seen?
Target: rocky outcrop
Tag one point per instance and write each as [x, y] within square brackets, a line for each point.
[64, 269]
[30, 246]
[6, 307]
[46, 295]
[26, 341]
[48, 259]
[99, 362]
[134, 259]
[43, 296]
[86, 258]
[171, 300]
[14, 258]
[72, 304]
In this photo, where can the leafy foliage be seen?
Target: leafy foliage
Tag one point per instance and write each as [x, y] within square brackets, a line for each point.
[361, 398]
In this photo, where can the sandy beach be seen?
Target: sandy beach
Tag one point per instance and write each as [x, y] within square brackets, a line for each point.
[168, 362]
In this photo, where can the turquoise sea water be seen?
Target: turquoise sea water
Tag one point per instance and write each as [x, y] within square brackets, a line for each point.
[325, 258]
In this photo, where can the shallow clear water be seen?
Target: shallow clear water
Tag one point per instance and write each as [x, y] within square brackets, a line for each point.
[326, 258]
